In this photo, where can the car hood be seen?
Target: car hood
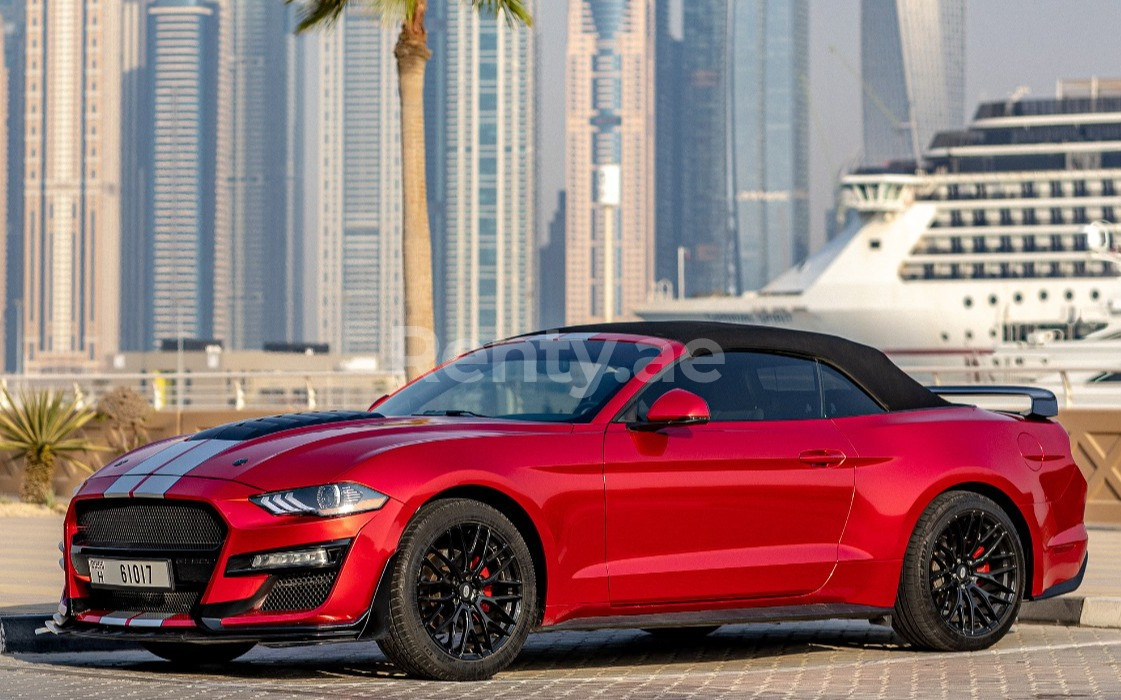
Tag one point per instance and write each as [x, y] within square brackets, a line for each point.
[284, 452]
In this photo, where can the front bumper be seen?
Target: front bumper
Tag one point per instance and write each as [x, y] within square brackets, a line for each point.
[233, 605]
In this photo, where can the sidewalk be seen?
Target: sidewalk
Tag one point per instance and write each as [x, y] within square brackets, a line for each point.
[29, 573]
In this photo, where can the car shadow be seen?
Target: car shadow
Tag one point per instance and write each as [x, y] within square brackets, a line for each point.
[545, 654]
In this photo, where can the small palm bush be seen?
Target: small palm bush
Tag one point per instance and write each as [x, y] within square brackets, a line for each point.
[43, 428]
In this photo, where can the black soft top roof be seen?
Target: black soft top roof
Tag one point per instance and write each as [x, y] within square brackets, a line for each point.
[868, 367]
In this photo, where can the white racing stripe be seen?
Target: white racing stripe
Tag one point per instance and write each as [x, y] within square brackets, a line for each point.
[157, 485]
[153, 477]
[123, 486]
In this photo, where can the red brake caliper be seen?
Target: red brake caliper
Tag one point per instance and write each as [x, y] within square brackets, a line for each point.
[487, 590]
[985, 568]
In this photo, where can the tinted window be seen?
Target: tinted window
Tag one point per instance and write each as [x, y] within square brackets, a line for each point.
[843, 398]
[564, 381]
[744, 386]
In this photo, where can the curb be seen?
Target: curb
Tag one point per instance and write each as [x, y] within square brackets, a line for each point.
[17, 636]
[1094, 611]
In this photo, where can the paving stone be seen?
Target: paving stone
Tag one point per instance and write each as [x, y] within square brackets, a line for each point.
[829, 660]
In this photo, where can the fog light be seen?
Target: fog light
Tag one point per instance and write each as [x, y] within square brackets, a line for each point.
[307, 558]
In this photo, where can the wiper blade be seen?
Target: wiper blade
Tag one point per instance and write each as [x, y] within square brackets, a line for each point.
[453, 413]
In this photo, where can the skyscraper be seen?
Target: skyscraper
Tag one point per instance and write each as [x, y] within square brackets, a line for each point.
[912, 61]
[769, 137]
[551, 290]
[609, 169]
[136, 322]
[250, 255]
[357, 181]
[5, 82]
[482, 156]
[705, 63]
[72, 212]
[15, 55]
[182, 37]
[668, 204]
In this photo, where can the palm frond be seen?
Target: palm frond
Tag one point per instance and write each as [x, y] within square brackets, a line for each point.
[324, 13]
[316, 13]
[515, 11]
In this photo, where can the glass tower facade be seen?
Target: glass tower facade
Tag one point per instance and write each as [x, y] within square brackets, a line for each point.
[913, 65]
[769, 137]
[482, 133]
[182, 70]
[703, 170]
[72, 207]
[250, 255]
[609, 169]
[356, 187]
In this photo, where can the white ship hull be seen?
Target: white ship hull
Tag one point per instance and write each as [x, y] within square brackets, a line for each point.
[853, 288]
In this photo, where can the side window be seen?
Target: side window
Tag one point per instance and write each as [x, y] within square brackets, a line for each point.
[745, 386]
[843, 398]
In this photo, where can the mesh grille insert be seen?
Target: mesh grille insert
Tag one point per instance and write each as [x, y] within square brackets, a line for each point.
[158, 602]
[161, 525]
[299, 592]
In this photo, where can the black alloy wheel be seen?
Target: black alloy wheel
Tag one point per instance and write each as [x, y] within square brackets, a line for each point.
[469, 591]
[463, 593]
[974, 573]
[964, 575]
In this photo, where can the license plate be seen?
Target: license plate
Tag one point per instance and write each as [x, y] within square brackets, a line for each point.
[130, 573]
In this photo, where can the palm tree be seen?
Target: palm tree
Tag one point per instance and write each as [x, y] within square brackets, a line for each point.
[412, 55]
[43, 428]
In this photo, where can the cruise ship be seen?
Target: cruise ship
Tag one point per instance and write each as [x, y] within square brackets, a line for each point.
[983, 245]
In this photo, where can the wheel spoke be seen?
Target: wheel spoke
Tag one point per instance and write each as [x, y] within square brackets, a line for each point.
[482, 556]
[469, 618]
[973, 595]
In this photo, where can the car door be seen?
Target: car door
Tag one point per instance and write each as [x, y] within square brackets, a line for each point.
[749, 505]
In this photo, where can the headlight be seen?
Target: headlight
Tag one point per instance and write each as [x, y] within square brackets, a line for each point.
[325, 501]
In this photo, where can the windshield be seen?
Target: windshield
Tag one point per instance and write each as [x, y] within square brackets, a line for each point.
[560, 381]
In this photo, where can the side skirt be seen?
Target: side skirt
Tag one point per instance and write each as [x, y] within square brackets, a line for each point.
[734, 616]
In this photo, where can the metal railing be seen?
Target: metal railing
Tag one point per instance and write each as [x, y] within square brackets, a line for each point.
[223, 391]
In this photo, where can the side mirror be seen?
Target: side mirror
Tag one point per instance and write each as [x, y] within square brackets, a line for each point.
[675, 407]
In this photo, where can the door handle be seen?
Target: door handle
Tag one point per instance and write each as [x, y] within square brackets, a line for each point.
[823, 458]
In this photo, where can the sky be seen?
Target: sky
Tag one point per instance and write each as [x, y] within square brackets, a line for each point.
[1032, 43]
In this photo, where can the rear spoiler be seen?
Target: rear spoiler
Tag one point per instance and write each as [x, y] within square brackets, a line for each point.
[1043, 402]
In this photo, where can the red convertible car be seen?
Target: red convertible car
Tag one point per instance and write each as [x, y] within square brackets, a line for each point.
[672, 477]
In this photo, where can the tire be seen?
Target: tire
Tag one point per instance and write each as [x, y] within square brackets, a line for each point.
[187, 654]
[963, 576]
[463, 593]
[680, 634]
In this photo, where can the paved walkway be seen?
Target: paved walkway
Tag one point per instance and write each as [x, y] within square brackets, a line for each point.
[29, 573]
[827, 660]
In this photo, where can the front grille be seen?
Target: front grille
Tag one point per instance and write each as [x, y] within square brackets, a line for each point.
[190, 535]
[294, 592]
[144, 601]
[161, 525]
